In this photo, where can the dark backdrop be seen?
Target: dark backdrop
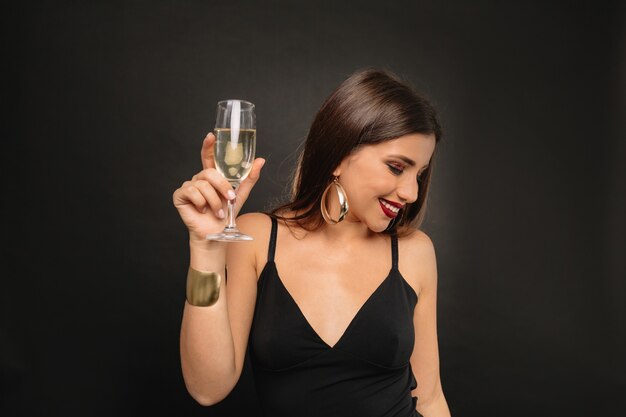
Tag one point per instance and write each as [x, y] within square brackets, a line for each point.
[108, 103]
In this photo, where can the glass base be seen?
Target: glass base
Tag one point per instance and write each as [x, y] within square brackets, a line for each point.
[229, 235]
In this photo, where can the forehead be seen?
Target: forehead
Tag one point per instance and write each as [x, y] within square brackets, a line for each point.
[416, 146]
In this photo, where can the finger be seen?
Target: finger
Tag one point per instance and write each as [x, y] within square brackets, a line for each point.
[205, 174]
[193, 195]
[217, 181]
[210, 195]
[246, 185]
[206, 154]
[180, 197]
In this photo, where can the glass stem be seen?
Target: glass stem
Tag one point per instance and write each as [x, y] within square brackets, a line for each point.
[231, 210]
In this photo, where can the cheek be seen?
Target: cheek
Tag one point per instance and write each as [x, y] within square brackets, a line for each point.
[364, 193]
[378, 184]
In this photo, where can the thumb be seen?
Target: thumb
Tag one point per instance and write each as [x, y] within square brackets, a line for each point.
[246, 185]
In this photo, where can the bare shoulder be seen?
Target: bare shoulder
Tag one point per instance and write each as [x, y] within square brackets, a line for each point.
[254, 223]
[417, 241]
[258, 226]
[417, 261]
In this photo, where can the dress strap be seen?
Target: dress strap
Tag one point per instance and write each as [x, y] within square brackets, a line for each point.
[394, 251]
[272, 247]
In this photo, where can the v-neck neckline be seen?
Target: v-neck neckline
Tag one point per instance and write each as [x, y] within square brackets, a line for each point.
[352, 321]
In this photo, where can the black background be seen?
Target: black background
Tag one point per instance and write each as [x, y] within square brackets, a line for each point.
[108, 103]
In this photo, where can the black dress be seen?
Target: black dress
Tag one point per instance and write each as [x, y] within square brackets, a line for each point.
[367, 373]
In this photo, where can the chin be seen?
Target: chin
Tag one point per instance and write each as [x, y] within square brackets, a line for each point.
[378, 226]
[374, 222]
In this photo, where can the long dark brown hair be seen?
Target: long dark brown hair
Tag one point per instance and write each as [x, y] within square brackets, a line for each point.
[369, 107]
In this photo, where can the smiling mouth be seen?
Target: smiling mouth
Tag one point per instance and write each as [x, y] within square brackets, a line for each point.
[389, 210]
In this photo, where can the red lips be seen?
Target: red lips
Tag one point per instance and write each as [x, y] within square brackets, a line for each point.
[393, 203]
[387, 211]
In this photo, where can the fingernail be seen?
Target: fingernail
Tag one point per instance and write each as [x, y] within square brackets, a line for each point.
[231, 194]
[221, 214]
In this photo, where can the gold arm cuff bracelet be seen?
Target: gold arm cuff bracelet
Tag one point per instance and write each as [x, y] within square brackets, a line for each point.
[203, 288]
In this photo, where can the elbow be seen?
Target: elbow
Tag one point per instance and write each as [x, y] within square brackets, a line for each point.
[208, 391]
[204, 400]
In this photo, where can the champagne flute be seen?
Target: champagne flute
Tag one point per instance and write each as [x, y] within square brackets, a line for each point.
[235, 130]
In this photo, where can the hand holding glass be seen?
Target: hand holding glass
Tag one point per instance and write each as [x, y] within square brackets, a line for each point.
[235, 145]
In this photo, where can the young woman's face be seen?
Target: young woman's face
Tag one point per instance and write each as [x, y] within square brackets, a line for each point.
[377, 176]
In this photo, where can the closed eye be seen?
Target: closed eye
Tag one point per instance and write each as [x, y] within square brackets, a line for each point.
[395, 170]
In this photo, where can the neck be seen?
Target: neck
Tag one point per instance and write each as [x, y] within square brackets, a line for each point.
[347, 232]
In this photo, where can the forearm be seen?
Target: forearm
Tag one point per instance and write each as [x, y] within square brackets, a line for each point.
[206, 343]
[437, 407]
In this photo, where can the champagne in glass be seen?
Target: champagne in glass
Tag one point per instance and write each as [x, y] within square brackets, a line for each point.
[234, 151]
[234, 157]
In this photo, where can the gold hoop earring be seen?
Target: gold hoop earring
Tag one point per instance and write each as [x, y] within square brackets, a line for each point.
[343, 202]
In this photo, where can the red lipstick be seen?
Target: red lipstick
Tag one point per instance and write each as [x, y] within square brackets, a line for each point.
[388, 212]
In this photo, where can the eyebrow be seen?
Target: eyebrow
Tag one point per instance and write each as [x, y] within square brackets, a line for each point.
[407, 160]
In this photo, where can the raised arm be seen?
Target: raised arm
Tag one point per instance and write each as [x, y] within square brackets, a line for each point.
[210, 351]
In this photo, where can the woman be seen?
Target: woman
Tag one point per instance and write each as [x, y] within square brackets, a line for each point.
[339, 331]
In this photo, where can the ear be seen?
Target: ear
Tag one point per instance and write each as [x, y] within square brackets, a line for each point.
[337, 171]
[345, 162]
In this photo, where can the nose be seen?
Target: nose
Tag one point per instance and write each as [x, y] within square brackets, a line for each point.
[408, 189]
